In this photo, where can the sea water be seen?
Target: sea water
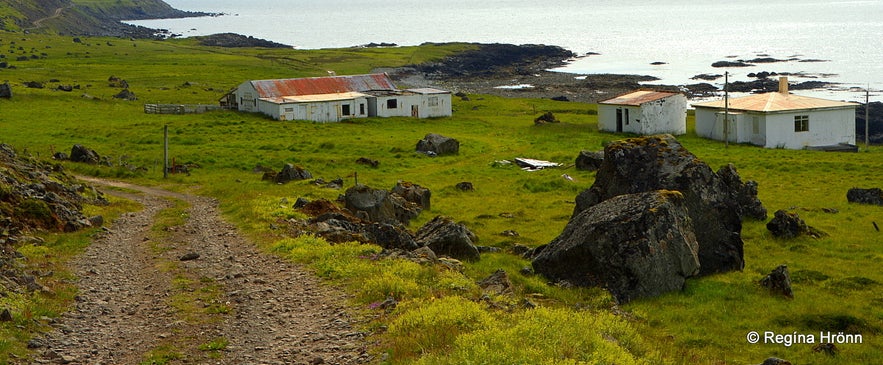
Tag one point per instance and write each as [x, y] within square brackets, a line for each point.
[673, 40]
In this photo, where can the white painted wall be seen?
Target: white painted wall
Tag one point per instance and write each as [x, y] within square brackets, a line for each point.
[323, 111]
[668, 115]
[776, 130]
[247, 97]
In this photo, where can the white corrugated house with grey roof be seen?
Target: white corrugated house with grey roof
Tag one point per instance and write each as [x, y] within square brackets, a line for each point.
[779, 120]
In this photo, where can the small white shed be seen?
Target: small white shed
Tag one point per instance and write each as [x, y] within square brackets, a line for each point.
[644, 112]
[778, 120]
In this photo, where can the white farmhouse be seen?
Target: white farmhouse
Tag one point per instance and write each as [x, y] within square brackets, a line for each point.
[335, 98]
[644, 112]
[778, 120]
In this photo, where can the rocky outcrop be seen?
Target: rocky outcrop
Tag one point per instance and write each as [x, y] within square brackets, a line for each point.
[872, 196]
[779, 282]
[5, 90]
[490, 59]
[446, 237]
[79, 153]
[233, 40]
[546, 118]
[634, 245]
[715, 201]
[413, 193]
[380, 205]
[589, 161]
[437, 144]
[36, 196]
[789, 225]
[291, 172]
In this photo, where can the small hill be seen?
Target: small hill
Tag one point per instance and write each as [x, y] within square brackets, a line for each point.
[84, 17]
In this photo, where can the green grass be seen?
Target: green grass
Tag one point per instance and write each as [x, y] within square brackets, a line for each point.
[837, 284]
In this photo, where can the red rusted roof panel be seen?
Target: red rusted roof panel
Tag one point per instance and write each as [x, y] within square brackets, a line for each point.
[322, 85]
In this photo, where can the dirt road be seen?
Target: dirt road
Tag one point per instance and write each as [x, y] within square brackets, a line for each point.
[140, 302]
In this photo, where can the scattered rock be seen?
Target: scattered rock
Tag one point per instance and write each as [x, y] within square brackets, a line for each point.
[634, 245]
[114, 81]
[731, 64]
[67, 88]
[189, 256]
[79, 153]
[589, 161]
[779, 282]
[439, 145]
[380, 205]
[446, 237]
[546, 118]
[34, 85]
[560, 98]
[413, 193]
[5, 315]
[707, 77]
[390, 236]
[125, 94]
[5, 91]
[775, 361]
[826, 348]
[60, 156]
[368, 162]
[497, 283]
[661, 163]
[465, 186]
[300, 203]
[291, 172]
[873, 196]
[789, 225]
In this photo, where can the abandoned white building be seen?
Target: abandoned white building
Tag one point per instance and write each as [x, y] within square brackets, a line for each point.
[644, 112]
[335, 98]
[778, 120]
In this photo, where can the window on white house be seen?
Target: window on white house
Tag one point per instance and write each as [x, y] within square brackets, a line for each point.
[361, 109]
[755, 125]
[433, 101]
[801, 123]
[392, 104]
[345, 109]
[289, 110]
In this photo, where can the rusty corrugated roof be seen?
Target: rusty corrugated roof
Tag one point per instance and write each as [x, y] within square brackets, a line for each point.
[636, 98]
[322, 85]
[775, 102]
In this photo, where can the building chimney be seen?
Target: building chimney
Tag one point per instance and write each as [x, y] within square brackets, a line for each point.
[783, 85]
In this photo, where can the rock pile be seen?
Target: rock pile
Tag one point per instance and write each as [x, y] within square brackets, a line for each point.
[288, 173]
[655, 215]
[36, 196]
[379, 216]
[589, 161]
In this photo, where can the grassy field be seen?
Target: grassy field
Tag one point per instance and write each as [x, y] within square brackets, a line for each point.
[440, 318]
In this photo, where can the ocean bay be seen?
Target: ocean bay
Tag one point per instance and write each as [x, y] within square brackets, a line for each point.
[672, 40]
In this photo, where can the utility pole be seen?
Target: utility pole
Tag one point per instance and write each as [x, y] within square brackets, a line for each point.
[165, 155]
[726, 110]
[867, 116]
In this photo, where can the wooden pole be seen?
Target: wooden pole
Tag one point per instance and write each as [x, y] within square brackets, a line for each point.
[165, 155]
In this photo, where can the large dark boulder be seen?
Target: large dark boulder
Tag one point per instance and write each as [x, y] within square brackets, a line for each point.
[661, 163]
[446, 237]
[438, 144]
[79, 153]
[390, 236]
[291, 172]
[873, 196]
[589, 161]
[634, 245]
[380, 205]
[413, 193]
